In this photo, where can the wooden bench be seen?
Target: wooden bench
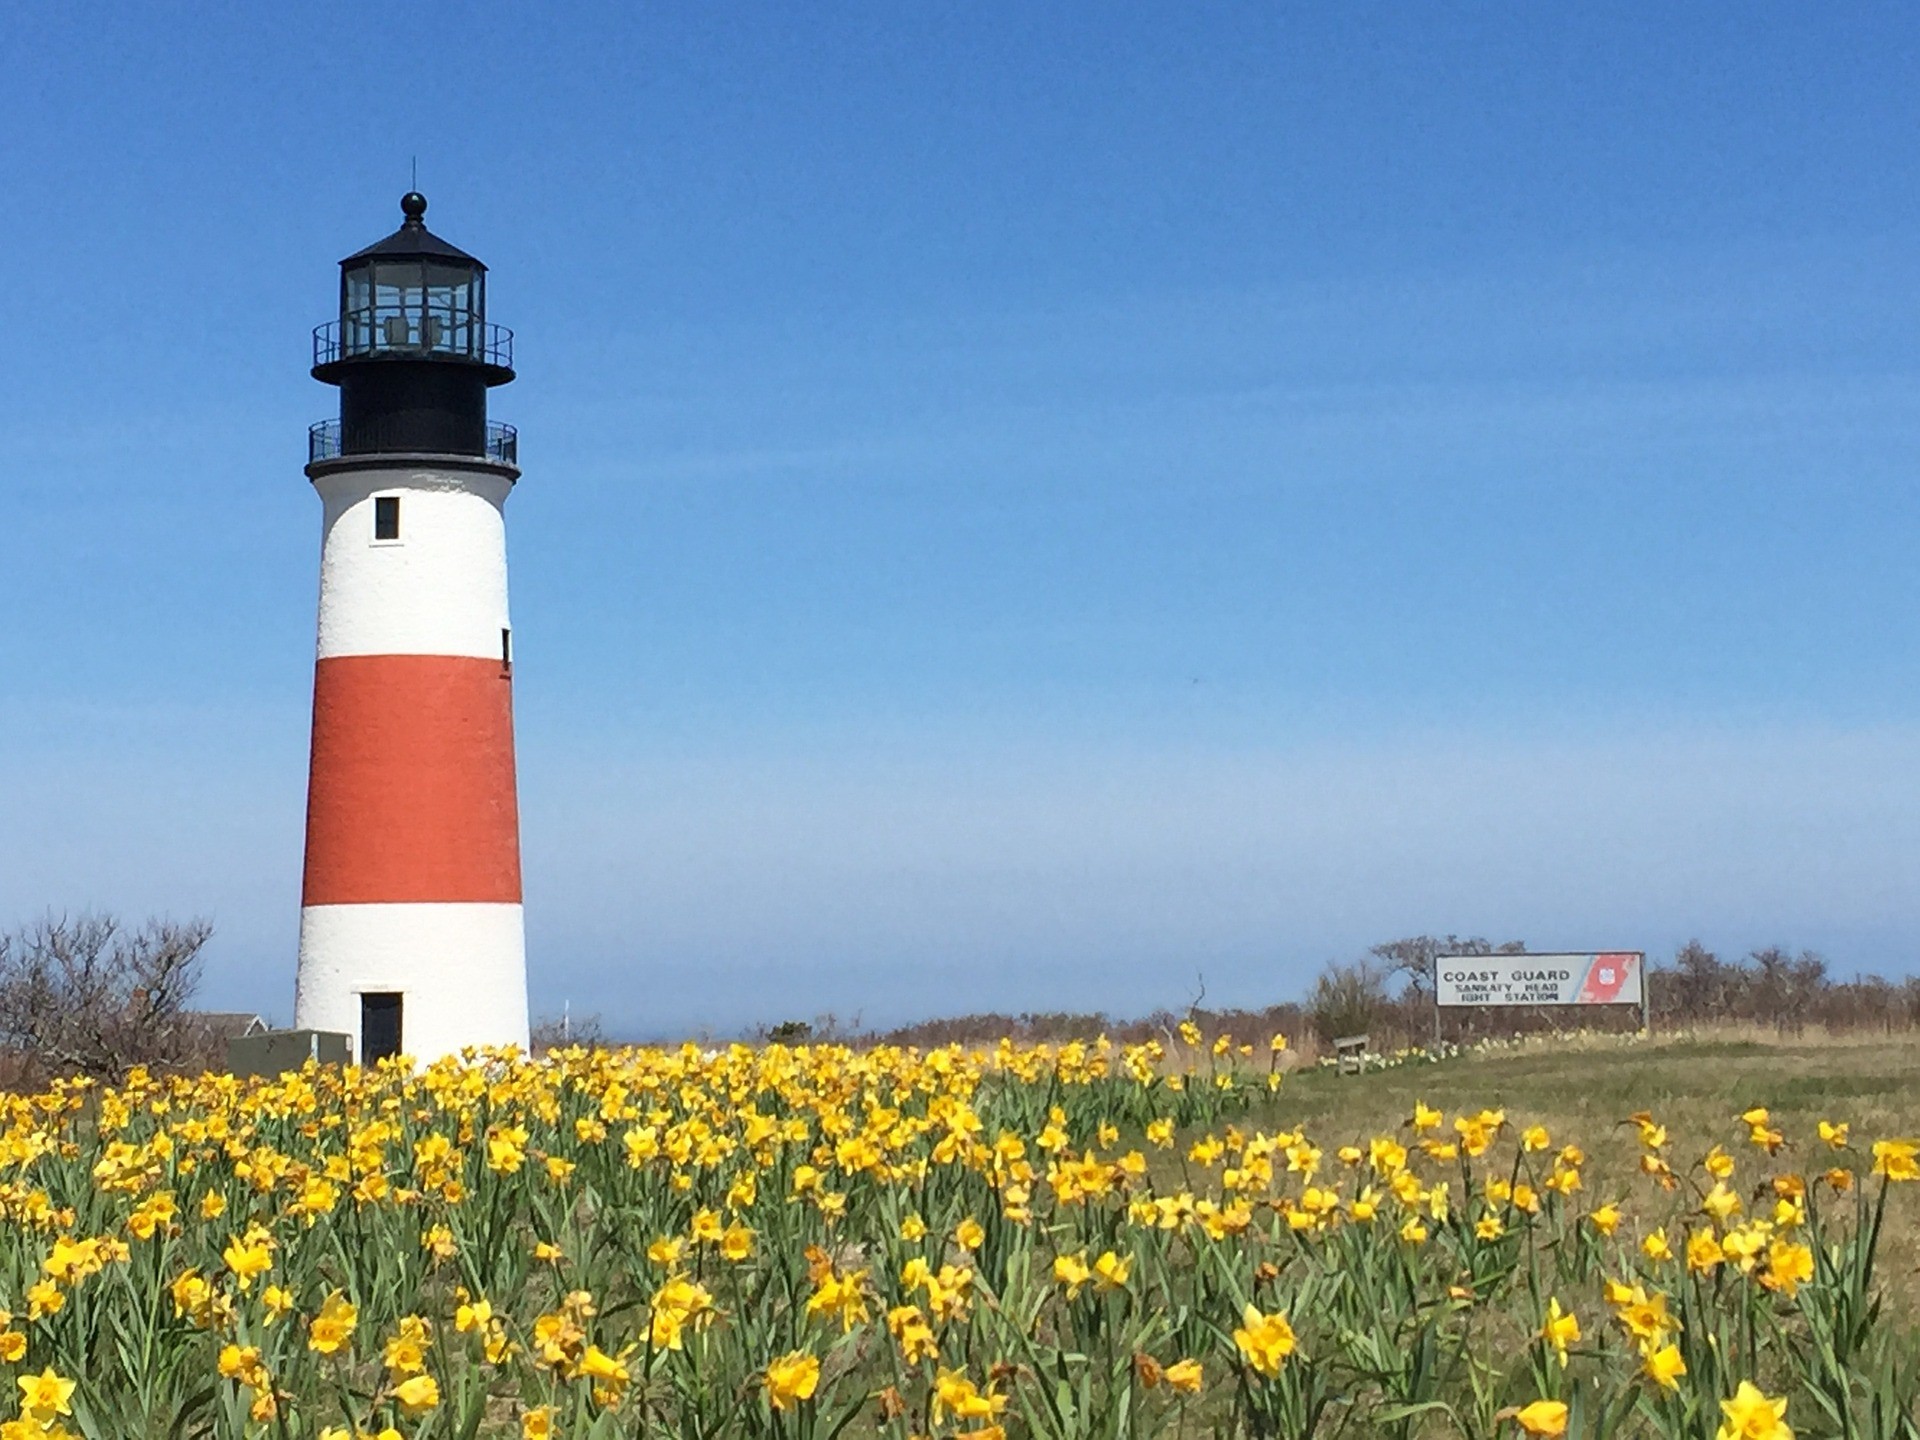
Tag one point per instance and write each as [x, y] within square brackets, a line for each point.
[1350, 1051]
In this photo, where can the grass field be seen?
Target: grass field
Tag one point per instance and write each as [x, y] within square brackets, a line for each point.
[1698, 1084]
[1582, 1088]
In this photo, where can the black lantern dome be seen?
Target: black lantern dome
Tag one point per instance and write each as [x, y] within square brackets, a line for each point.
[412, 351]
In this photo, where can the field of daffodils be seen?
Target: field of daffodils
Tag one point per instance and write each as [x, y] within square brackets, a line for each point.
[1049, 1241]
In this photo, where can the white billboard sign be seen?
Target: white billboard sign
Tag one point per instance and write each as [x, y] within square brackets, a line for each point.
[1612, 978]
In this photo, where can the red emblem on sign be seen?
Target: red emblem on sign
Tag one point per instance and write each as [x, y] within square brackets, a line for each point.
[1606, 977]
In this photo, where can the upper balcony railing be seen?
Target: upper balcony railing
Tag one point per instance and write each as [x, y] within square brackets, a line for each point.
[324, 442]
[411, 333]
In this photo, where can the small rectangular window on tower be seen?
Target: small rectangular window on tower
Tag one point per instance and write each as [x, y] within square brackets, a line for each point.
[386, 517]
[506, 650]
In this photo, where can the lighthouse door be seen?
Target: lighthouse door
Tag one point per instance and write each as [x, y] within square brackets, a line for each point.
[379, 1025]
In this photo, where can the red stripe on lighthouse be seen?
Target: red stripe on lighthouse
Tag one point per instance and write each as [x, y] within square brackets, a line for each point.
[411, 796]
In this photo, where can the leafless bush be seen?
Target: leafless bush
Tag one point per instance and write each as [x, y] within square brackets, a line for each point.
[823, 1029]
[555, 1032]
[1348, 999]
[91, 997]
[1417, 957]
[1774, 987]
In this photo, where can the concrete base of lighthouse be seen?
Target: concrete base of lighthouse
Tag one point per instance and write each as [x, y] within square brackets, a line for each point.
[460, 971]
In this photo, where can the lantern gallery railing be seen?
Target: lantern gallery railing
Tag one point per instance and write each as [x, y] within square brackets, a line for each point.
[412, 333]
[324, 442]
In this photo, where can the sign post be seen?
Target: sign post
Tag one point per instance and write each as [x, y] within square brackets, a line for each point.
[1610, 977]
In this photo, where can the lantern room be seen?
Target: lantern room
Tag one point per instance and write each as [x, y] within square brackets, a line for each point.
[412, 350]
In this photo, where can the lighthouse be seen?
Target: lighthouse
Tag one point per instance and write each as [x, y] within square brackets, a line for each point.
[411, 932]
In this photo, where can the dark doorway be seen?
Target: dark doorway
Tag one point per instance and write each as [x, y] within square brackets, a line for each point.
[379, 1026]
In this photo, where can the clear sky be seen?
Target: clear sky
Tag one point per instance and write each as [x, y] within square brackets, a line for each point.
[1023, 505]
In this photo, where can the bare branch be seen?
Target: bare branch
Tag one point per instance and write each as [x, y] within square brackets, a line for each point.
[91, 996]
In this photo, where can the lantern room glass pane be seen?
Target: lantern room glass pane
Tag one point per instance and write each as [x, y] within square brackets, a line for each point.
[396, 305]
[450, 318]
[356, 311]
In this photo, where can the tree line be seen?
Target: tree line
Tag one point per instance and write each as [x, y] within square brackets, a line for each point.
[94, 996]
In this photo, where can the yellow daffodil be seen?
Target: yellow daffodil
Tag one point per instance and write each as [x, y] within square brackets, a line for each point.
[1751, 1415]
[1264, 1340]
[791, 1379]
[1542, 1417]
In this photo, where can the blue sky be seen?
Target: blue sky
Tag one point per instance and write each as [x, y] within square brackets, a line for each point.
[1023, 505]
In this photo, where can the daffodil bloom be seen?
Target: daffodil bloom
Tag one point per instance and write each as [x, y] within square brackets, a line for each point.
[248, 1257]
[842, 1297]
[1789, 1266]
[1645, 1316]
[910, 1331]
[1185, 1375]
[1542, 1417]
[1265, 1340]
[46, 1395]
[791, 1379]
[1751, 1415]
[506, 1148]
[333, 1326]
[1721, 1203]
[1560, 1329]
[954, 1394]
[406, 1352]
[44, 1297]
[677, 1305]
[1071, 1272]
[1112, 1270]
[1665, 1366]
[1897, 1160]
[603, 1369]
[1387, 1156]
[417, 1394]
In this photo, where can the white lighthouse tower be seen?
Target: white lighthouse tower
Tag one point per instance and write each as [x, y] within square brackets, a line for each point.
[411, 937]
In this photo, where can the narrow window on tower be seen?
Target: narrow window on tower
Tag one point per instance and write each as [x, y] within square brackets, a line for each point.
[506, 651]
[386, 517]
